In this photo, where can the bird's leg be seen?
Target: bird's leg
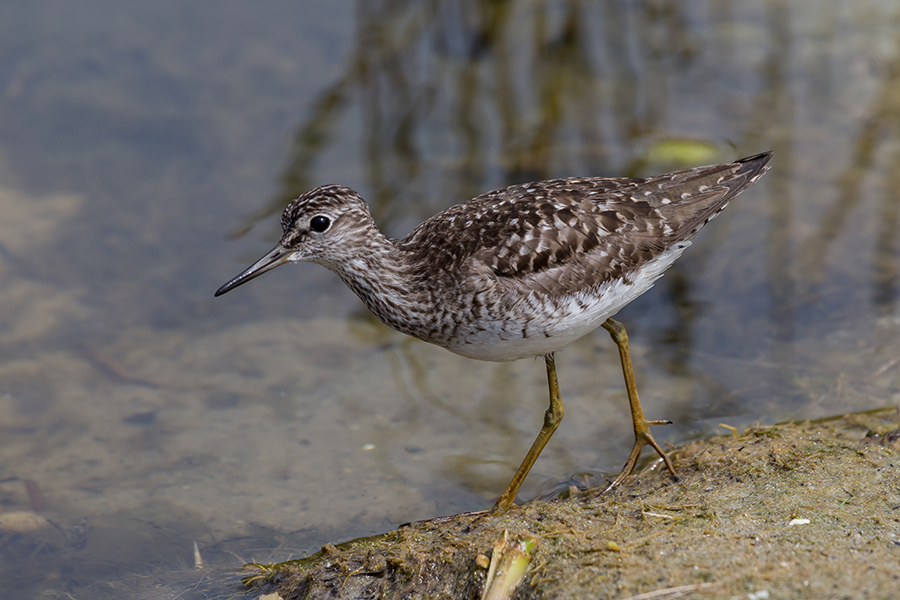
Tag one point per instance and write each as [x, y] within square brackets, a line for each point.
[552, 418]
[642, 435]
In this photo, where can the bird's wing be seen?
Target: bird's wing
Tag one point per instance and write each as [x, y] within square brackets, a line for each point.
[587, 230]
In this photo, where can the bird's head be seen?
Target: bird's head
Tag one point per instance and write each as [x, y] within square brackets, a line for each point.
[328, 225]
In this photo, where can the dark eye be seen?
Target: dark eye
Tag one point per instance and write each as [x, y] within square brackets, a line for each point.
[319, 223]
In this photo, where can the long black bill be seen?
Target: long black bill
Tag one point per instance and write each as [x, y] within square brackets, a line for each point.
[277, 256]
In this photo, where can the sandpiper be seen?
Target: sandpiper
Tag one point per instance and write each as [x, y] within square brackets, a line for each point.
[518, 272]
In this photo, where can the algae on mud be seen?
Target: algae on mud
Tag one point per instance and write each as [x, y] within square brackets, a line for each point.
[804, 509]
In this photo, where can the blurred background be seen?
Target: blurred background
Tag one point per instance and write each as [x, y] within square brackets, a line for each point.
[147, 149]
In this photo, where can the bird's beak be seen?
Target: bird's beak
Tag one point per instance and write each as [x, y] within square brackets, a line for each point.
[277, 256]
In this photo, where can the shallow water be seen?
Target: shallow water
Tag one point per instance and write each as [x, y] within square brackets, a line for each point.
[147, 149]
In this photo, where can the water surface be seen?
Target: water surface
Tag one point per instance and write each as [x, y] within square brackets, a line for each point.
[147, 149]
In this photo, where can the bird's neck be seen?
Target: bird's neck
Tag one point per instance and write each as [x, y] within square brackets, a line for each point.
[382, 275]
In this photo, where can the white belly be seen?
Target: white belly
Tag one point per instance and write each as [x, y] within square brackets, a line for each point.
[554, 325]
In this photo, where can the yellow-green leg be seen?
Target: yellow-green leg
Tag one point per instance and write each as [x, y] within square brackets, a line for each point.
[642, 435]
[552, 418]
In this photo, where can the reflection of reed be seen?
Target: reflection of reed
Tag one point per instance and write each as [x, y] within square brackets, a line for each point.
[884, 264]
[510, 91]
[882, 117]
[780, 108]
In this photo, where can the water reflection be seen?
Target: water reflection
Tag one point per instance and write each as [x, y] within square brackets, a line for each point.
[277, 419]
[868, 148]
[454, 99]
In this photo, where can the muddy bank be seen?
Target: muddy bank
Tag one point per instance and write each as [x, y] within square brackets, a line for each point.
[795, 510]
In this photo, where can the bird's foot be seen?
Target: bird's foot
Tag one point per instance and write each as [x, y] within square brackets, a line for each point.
[643, 437]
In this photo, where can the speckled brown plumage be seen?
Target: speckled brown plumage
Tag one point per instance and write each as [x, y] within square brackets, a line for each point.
[534, 227]
[518, 272]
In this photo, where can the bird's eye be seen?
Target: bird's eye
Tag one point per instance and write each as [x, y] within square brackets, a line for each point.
[319, 223]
